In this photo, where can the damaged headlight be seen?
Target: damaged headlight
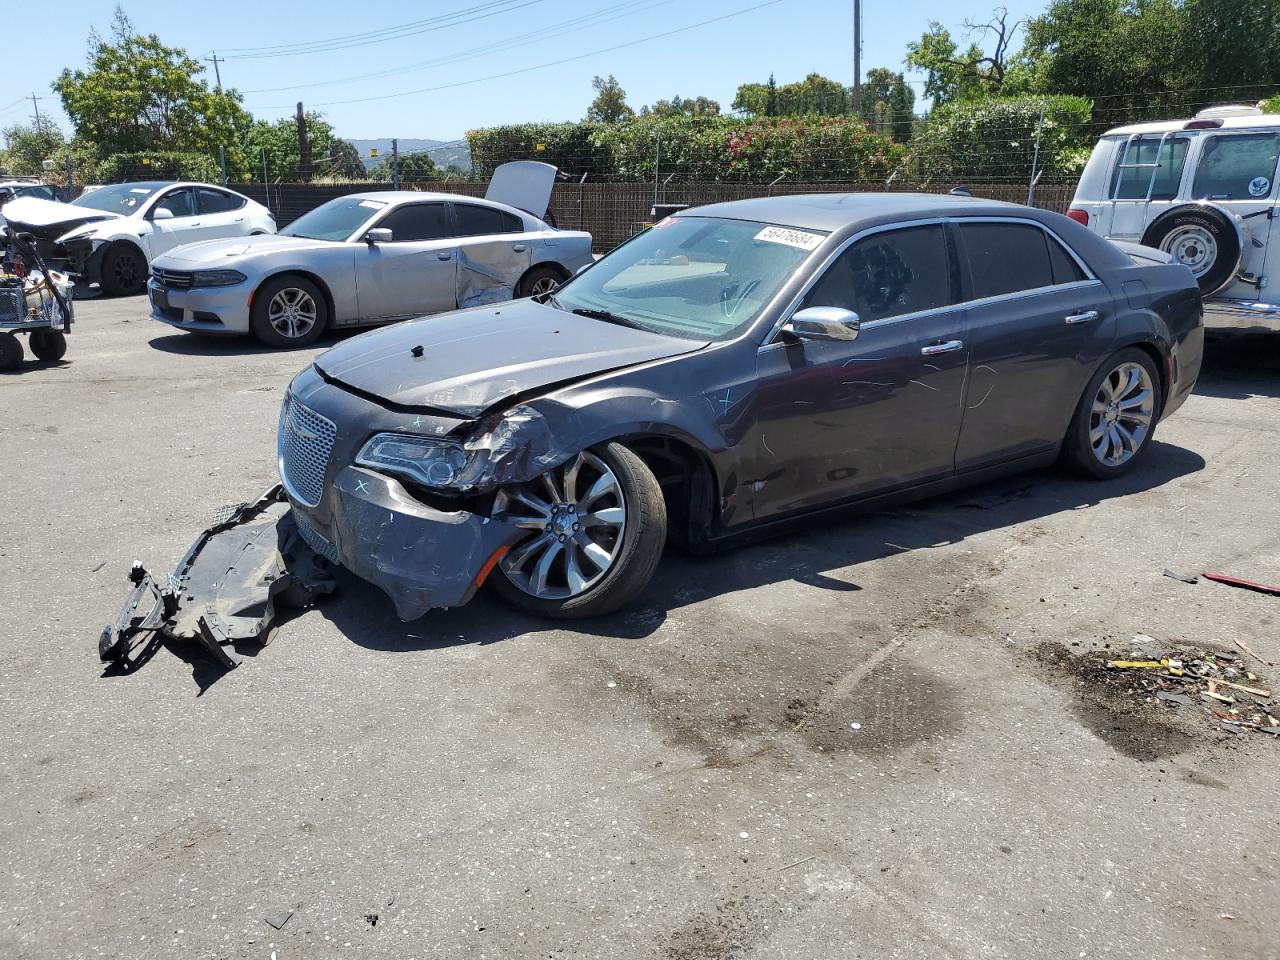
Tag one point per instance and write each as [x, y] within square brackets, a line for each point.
[430, 462]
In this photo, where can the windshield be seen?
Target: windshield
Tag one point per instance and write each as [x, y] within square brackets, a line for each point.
[123, 198]
[694, 277]
[335, 220]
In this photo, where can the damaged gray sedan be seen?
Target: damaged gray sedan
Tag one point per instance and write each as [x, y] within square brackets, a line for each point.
[737, 367]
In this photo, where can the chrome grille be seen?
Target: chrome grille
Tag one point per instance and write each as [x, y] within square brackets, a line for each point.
[312, 538]
[177, 279]
[306, 444]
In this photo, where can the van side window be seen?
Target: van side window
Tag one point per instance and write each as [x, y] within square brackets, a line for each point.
[1237, 167]
[887, 275]
[1130, 183]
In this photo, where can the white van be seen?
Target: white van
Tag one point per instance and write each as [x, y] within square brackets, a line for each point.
[1204, 191]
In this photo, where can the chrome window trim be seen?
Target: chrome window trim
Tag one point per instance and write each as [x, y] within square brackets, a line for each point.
[1091, 279]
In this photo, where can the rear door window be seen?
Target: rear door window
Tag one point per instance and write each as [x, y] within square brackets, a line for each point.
[1131, 182]
[888, 275]
[215, 201]
[1237, 167]
[1007, 258]
[418, 221]
[476, 221]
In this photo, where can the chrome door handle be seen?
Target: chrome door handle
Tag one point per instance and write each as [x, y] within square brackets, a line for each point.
[1084, 317]
[947, 346]
[443, 256]
[519, 248]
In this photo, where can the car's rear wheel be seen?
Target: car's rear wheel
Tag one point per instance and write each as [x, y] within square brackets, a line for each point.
[288, 311]
[596, 528]
[124, 270]
[539, 280]
[48, 345]
[1117, 416]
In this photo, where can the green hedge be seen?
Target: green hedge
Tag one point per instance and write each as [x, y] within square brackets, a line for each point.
[996, 139]
[695, 148]
[158, 165]
[1271, 106]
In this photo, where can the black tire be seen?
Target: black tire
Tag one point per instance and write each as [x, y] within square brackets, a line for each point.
[10, 352]
[48, 345]
[1078, 449]
[541, 279]
[287, 284]
[124, 270]
[637, 556]
[1179, 232]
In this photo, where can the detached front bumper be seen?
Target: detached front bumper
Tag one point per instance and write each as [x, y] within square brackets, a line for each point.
[201, 309]
[422, 556]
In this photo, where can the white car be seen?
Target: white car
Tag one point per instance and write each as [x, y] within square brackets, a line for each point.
[110, 235]
[1203, 191]
[373, 258]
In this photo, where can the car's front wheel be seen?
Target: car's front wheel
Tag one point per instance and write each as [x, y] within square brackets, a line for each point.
[288, 311]
[1116, 417]
[596, 528]
[124, 270]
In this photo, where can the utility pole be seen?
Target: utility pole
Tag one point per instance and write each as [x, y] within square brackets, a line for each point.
[395, 164]
[35, 104]
[304, 146]
[215, 60]
[857, 58]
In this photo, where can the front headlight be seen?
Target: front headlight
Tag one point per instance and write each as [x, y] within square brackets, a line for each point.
[217, 278]
[430, 462]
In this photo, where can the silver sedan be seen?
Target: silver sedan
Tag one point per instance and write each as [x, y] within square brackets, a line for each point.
[372, 258]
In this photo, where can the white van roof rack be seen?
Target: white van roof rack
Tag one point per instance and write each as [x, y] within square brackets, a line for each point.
[1229, 110]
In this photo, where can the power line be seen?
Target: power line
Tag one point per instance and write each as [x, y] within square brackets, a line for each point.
[414, 28]
[553, 63]
[551, 30]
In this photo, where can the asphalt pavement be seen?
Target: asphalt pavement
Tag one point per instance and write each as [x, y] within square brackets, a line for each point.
[857, 741]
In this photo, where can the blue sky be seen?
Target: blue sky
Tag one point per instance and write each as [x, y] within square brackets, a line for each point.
[787, 37]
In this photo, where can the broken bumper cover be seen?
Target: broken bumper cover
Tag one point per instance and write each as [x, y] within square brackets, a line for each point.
[421, 557]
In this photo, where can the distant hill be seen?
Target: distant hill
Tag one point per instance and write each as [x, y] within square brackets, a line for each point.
[444, 154]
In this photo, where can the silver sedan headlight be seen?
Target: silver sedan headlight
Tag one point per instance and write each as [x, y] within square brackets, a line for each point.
[217, 278]
[424, 460]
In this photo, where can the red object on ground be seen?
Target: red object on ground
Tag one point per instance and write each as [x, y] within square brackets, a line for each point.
[1244, 584]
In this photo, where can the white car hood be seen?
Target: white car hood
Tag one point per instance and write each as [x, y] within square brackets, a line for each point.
[216, 253]
[37, 213]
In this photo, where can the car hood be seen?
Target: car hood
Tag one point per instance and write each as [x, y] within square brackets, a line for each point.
[46, 216]
[217, 252]
[473, 360]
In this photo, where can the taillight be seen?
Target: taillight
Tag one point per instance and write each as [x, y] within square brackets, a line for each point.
[1079, 216]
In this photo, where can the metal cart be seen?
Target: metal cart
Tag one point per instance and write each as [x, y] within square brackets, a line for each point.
[35, 302]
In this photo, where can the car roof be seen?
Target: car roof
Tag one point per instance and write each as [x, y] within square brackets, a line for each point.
[834, 211]
[406, 196]
[1250, 122]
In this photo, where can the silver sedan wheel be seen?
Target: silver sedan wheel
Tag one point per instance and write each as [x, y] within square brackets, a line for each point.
[1192, 246]
[292, 312]
[576, 517]
[1121, 416]
[543, 285]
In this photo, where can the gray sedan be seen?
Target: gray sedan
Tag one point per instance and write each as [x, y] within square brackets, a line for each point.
[734, 368]
[373, 258]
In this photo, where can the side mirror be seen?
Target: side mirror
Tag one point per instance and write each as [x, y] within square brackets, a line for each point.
[378, 235]
[823, 323]
[161, 213]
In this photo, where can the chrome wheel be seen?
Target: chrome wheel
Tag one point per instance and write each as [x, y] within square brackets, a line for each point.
[292, 313]
[1192, 246]
[1120, 419]
[544, 284]
[576, 517]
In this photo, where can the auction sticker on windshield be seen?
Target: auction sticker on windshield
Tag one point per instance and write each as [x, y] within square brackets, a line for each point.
[792, 238]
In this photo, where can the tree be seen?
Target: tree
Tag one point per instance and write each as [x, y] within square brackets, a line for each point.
[138, 94]
[330, 155]
[413, 166]
[888, 103]
[27, 146]
[815, 94]
[677, 106]
[952, 75]
[610, 104]
[1231, 43]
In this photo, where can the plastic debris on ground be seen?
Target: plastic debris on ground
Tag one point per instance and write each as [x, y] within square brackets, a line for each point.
[1216, 683]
